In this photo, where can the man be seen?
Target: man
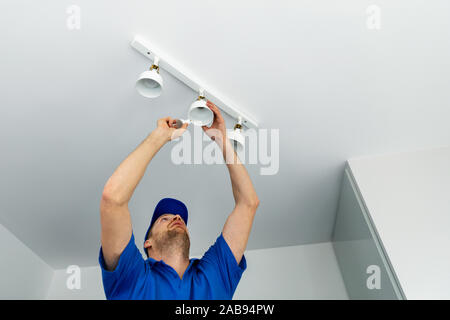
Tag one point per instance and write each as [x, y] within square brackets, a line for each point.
[168, 273]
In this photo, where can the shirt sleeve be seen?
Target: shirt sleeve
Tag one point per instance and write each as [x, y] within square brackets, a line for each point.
[220, 259]
[121, 282]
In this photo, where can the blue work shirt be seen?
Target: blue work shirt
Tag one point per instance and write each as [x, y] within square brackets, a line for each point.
[215, 276]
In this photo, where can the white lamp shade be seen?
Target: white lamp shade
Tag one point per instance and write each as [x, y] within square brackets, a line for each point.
[150, 84]
[237, 139]
[200, 114]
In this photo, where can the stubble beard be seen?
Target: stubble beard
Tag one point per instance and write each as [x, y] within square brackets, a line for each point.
[173, 241]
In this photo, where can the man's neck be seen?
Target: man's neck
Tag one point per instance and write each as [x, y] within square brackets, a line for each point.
[176, 261]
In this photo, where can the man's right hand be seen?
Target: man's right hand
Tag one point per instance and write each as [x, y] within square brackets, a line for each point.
[166, 129]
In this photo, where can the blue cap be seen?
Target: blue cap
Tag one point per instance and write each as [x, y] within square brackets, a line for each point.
[167, 205]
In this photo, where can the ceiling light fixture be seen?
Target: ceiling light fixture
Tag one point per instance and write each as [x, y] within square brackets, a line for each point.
[150, 82]
[236, 137]
[198, 113]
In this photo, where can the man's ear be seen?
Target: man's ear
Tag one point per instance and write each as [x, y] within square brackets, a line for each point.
[147, 244]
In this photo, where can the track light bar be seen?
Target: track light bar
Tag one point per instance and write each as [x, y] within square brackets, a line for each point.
[168, 64]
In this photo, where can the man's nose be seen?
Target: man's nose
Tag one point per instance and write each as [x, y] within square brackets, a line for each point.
[177, 217]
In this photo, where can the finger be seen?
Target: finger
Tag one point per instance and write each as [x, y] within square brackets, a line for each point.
[163, 120]
[217, 114]
[212, 106]
[178, 132]
[208, 102]
[185, 125]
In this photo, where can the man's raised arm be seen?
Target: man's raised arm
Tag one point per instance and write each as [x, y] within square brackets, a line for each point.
[236, 230]
[114, 214]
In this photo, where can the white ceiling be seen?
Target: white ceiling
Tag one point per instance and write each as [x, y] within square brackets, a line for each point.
[70, 114]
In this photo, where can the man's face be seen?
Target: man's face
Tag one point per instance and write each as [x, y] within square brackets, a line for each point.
[169, 232]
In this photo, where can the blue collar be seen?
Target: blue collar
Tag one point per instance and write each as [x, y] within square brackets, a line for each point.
[152, 262]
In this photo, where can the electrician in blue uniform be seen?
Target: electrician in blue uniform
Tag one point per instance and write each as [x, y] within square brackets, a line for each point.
[168, 273]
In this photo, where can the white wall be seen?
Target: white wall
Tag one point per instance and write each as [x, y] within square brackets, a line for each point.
[91, 285]
[295, 272]
[358, 249]
[24, 275]
[408, 198]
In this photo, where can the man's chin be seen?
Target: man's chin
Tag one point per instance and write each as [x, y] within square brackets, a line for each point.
[177, 231]
[177, 228]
